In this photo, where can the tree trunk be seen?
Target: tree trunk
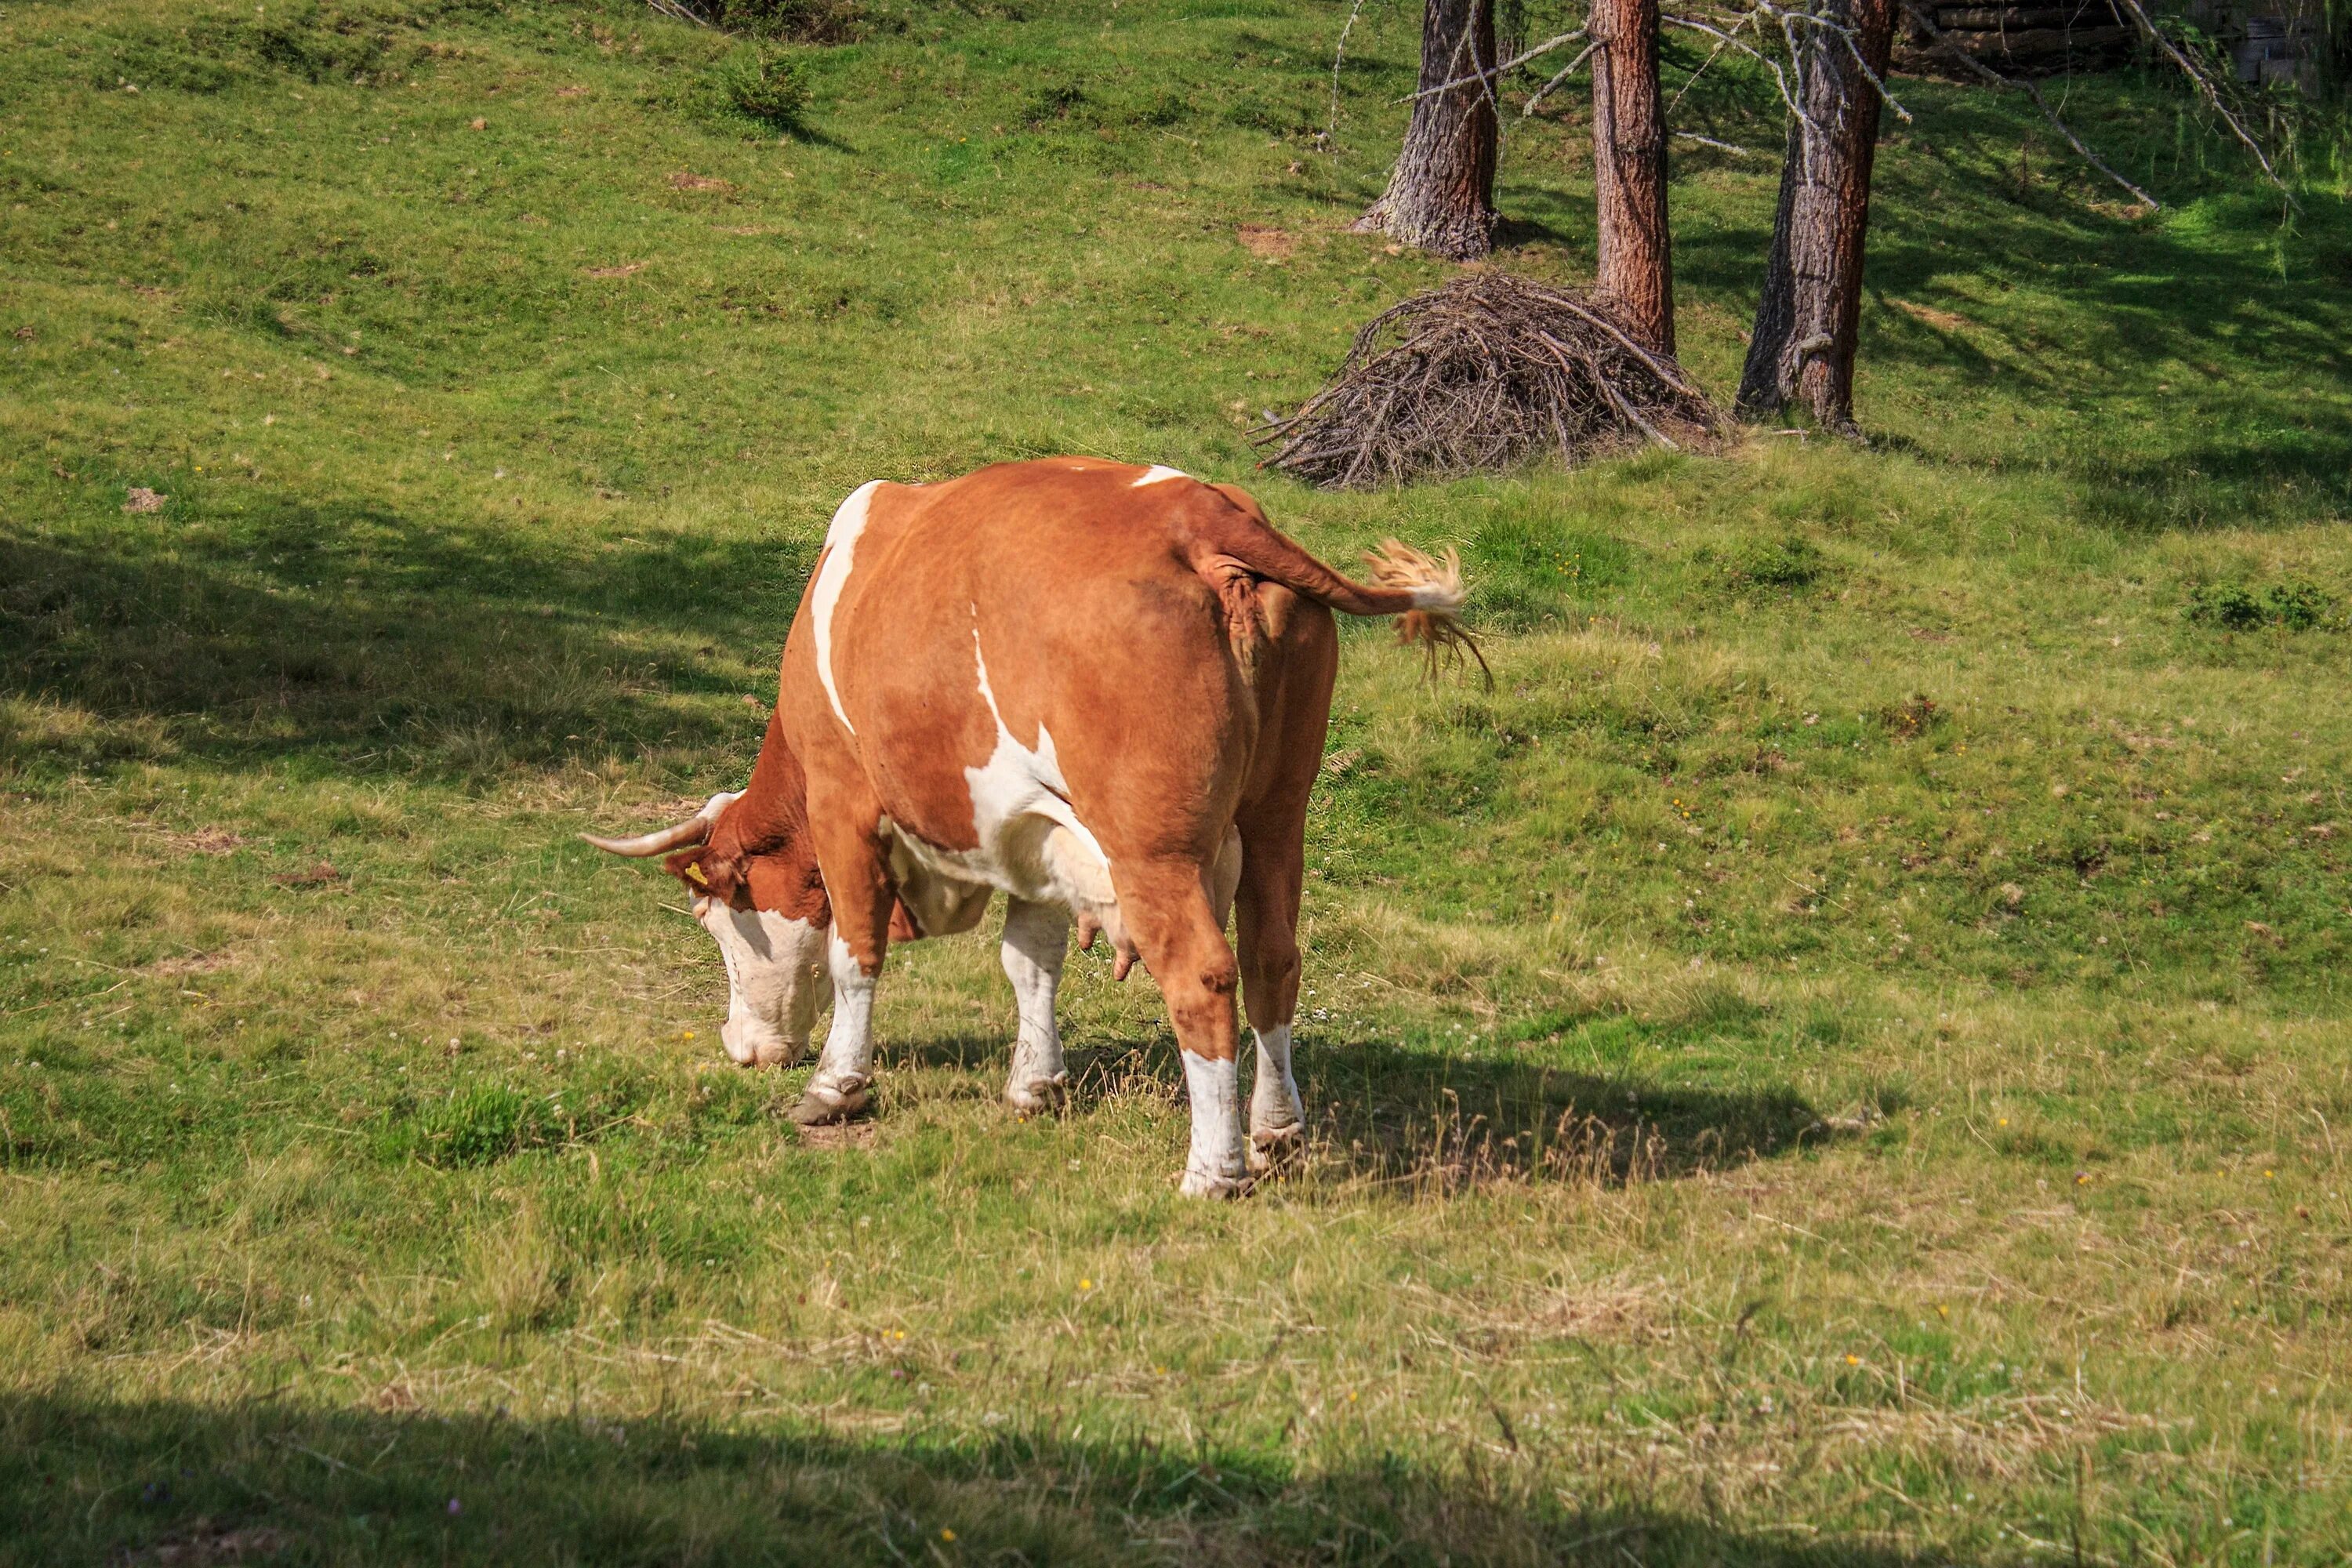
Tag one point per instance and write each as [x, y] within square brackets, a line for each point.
[1636, 266]
[1440, 196]
[1807, 317]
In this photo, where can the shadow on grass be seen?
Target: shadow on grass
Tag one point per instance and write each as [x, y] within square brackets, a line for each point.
[95, 1480]
[1424, 1121]
[377, 642]
[2178, 354]
[1425, 1118]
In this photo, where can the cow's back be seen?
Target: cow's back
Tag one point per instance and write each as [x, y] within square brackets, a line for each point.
[1049, 605]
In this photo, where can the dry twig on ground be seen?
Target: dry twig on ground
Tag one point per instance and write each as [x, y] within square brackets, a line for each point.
[1483, 375]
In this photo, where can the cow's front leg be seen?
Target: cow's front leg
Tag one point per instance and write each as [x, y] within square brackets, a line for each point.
[1036, 936]
[850, 855]
[843, 1086]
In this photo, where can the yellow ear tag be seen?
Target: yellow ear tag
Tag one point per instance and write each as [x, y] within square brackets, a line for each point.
[694, 869]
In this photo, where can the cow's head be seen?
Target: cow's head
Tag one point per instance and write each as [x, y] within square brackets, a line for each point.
[751, 878]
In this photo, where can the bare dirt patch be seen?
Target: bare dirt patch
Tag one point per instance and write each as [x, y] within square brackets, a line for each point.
[198, 841]
[1266, 243]
[1611, 1311]
[625, 270]
[840, 1135]
[684, 181]
[1942, 320]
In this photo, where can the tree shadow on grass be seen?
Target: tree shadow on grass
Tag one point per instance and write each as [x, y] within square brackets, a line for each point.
[2167, 363]
[375, 642]
[1433, 1118]
[89, 1479]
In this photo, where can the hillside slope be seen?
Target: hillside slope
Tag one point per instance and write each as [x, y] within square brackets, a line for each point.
[1839, 1058]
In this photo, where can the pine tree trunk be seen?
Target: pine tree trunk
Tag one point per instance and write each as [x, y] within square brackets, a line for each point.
[1637, 267]
[1810, 308]
[1440, 196]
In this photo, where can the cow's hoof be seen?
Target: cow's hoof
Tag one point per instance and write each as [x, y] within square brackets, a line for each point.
[1039, 1095]
[1272, 1149]
[774, 1057]
[822, 1102]
[1208, 1184]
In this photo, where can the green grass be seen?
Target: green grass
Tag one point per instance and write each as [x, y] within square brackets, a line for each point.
[1840, 1057]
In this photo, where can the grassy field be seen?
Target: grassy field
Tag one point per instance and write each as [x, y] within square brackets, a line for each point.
[1840, 1057]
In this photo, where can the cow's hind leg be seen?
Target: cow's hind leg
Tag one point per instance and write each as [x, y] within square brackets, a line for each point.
[857, 880]
[1037, 938]
[1166, 909]
[1273, 864]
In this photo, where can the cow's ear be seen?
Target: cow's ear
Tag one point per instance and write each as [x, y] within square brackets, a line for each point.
[705, 872]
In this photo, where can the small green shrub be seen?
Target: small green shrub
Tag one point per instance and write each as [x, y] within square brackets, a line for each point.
[1909, 719]
[2298, 605]
[761, 84]
[1167, 108]
[1787, 563]
[483, 1124]
[1046, 105]
[2231, 605]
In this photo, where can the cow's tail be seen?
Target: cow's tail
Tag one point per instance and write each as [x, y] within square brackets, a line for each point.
[1424, 592]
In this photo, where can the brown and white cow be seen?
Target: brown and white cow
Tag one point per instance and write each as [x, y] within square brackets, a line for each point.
[1098, 689]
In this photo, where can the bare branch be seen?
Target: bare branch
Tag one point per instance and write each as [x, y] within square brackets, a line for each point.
[679, 11]
[1946, 48]
[1566, 72]
[1868, 75]
[1732, 41]
[2075, 142]
[1736, 152]
[1338, 53]
[1478, 377]
[1479, 75]
[1506, 69]
[2210, 91]
[1691, 80]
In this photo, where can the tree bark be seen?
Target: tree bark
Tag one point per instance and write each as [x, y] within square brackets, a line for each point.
[1637, 267]
[1810, 308]
[1440, 196]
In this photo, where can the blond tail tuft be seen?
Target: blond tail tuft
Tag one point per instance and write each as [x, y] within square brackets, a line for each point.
[1434, 622]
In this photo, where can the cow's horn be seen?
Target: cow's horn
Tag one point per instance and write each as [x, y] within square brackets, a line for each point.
[693, 830]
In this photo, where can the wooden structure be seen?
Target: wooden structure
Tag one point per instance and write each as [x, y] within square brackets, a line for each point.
[2072, 34]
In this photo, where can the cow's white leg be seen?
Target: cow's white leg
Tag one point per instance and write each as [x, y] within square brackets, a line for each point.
[1036, 937]
[1277, 1120]
[844, 1073]
[1166, 903]
[1216, 1167]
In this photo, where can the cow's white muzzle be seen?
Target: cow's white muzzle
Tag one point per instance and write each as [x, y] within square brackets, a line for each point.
[777, 982]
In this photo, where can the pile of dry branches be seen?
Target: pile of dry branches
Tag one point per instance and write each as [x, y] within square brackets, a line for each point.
[1480, 376]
